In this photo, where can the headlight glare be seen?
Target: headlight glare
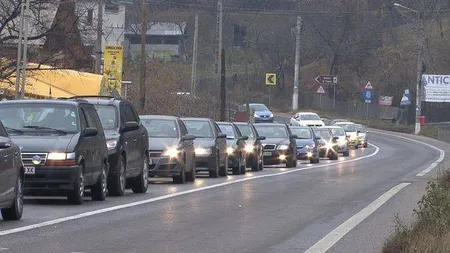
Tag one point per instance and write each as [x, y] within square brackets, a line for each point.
[57, 156]
[249, 148]
[283, 147]
[230, 150]
[171, 152]
[111, 144]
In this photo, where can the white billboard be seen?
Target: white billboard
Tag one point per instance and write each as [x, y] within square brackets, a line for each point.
[436, 88]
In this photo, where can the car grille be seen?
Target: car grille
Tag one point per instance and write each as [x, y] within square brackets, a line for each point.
[27, 158]
[265, 116]
[155, 153]
[269, 147]
[316, 125]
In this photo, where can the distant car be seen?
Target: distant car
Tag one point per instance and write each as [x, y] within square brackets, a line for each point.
[235, 147]
[11, 178]
[210, 146]
[352, 133]
[127, 142]
[279, 146]
[328, 143]
[63, 147]
[262, 114]
[306, 119]
[307, 143]
[253, 147]
[334, 121]
[172, 152]
[343, 146]
[362, 135]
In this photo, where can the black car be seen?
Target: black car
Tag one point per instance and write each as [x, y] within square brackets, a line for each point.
[127, 143]
[327, 143]
[63, 147]
[279, 145]
[11, 178]
[210, 146]
[253, 147]
[307, 143]
[235, 147]
[172, 150]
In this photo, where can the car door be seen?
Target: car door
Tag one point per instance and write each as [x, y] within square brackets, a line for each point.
[257, 143]
[221, 143]
[141, 143]
[8, 173]
[292, 142]
[129, 139]
[99, 140]
[88, 146]
[188, 145]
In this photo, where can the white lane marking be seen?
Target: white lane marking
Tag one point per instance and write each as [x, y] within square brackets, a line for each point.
[172, 195]
[3, 249]
[334, 236]
[432, 165]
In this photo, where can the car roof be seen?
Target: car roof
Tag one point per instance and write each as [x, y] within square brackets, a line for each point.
[306, 113]
[103, 100]
[224, 123]
[335, 127]
[241, 123]
[158, 117]
[269, 124]
[44, 101]
[197, 119]
[345, 123]
[299, 127]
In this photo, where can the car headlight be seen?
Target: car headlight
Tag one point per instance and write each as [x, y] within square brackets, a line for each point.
[202, 151]
[60, 159]
[342, 142]
[310, 146]
[329, 145]
[230, 150]
[57, 156]
[249, 148]
[255, 115]
[171, 152]
[283, 147]
[111, 144]
[271, 115]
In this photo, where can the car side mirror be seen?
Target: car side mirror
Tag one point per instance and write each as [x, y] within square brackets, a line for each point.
[260, 138]
[335, 138]
[90, 132]
[5, 145]
[294, 136]
[358, 132]
[130, 126]
[188, 137]
[221, 136]
[243, 138]
[349, 136]
[318, 138]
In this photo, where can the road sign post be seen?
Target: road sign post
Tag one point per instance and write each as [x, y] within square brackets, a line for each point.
[271, 80]
[367, 96]
[320, 91]
[330, 80]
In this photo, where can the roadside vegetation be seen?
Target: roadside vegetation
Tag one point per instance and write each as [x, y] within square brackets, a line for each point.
[430, 232]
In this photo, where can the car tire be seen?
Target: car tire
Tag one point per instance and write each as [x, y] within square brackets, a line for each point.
[140, 183]
[366, 145]
[313, 160]
[76, 197]
[100, 189]
[192, 174]
[356, 146]
[346, 153]
[291, 162]
[214, 171]
[223, 170]
[16, 210]
[243, 167]
[255, 164]
[180, 178]
[333, 156]
[117, 182]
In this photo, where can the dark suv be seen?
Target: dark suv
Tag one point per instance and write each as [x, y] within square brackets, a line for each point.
[11, 178]
[127, 142]
[63, 147]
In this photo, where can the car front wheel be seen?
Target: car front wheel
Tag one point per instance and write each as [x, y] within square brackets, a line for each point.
[76, 197]
[140, 183]
[99, 190]
[16, 210]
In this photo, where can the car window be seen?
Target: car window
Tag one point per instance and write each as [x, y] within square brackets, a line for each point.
[338, 131]
[272, 131]
[349, 128]
[302, 133]
[259, 107]
[228, 130]
[361, 128]
[127, 113]
[91, 120]
[309, 117]
[135, 114]
[198, 128]
[108, 116]
[161, 128]
[246, 130]
[182, 128]
[39, 117]
[3, 132]
[322, 133]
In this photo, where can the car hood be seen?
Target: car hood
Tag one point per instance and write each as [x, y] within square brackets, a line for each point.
[304, 142]
[312, 122]
[204, 143]
[352, 134]
[276, 141]
[162, 143]
[112, 134]
[263, 113]
[46, 143]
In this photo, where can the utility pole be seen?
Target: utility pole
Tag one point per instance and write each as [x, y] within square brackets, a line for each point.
[194, 58]
[223, 89]
[247, 89]
[219, 35]
[19, 52]
[297, 65]
[98, 46]
[143, 56]
[25, 48]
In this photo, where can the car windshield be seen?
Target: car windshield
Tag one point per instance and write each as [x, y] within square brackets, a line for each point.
[108, 116]
[338, 131]
[272, 131]
[349, 127]
[309, 117]
[246, 131]
[21, 118]
[361, 128]
[161, 128]
[302, 133]
[322, 133]
[259, 107]
[199, 129]
[228, 130]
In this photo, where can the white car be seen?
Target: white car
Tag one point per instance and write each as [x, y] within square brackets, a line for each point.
[306, 119]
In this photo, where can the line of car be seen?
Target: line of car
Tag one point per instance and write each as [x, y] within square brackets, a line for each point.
[63, 147]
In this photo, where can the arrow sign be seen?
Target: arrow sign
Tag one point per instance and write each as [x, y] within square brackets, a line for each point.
[320, 90]
[368, 86]
[327, 79]
[271, 79]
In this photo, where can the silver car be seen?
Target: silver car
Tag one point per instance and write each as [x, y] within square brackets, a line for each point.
[362, 135]
[342, 141]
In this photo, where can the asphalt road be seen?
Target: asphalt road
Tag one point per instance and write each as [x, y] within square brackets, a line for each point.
[343, 206]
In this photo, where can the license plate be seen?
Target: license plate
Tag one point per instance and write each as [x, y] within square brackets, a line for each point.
[30, 170]
[267, 153]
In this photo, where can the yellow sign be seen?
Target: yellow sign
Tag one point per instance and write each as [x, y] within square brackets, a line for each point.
[271, 79]
[112, 69]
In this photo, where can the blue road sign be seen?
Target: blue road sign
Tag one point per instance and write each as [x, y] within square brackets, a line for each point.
[406, 98]
[367, 95]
